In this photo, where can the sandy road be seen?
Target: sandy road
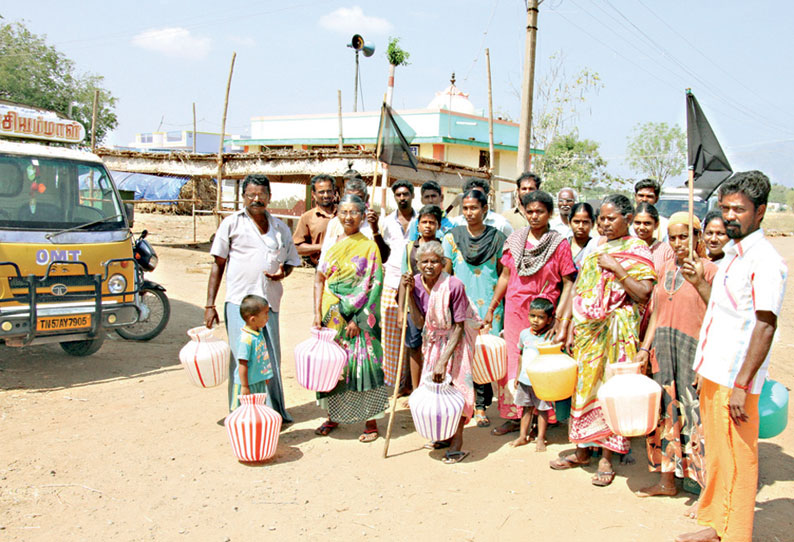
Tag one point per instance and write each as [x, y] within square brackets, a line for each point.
[120, 446]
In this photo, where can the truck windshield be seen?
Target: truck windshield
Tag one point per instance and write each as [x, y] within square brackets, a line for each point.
[667, 207]
[41, 193]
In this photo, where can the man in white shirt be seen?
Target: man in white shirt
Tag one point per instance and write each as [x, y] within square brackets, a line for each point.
[396, 232]
[566, 199]
[491, 219]
[732, 358]
[257, 252]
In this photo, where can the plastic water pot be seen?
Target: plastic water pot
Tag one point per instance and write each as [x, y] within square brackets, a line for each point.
[490, 359]
[552, 373]
[772, 409]
[319, 361]
[205, 358]
[253, 429]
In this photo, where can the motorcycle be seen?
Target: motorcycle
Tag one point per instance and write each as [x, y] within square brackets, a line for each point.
[155, 309]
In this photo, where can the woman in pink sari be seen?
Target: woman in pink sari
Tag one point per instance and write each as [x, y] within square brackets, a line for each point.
[449, 323]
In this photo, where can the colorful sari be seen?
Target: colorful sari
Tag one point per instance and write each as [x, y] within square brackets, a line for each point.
[606, 330]
[439, 323]
[353, 285]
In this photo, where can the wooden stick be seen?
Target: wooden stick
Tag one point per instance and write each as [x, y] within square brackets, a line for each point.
[399, 376]
[223, 135]
[691, 184]
[194, 127]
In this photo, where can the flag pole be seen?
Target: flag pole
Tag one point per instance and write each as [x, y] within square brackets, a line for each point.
[691, 185]
[377, 159]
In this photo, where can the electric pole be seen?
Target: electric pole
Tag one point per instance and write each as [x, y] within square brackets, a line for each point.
[527, 89]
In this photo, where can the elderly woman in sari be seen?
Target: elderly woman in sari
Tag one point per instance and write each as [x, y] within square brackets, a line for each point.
[675, 448]
[347, 290]
[449, 323]
[610, 294]
[536, 262]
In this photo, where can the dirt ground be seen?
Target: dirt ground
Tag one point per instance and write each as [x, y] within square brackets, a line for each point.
[120, 446]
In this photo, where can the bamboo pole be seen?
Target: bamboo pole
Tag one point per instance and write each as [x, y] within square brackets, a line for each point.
[691, 184]
[339, 108]
[194, 129]
[491, 152]
[220, 148]
[377, 159]
[93, 120]
[398, 377]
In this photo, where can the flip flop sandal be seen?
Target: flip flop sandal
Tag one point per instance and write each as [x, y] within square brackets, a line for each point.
[369, 435]
[597, 479]
[507, 427]
[450, 458]
[563, 463]
[482, 420]
[325, 429]
[437, 445]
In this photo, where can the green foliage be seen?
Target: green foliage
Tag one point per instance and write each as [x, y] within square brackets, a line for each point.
[34, 73]
[657, 150]
[790, 198]
[577, 163]
[396, 55]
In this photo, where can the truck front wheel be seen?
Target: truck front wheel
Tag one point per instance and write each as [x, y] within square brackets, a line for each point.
[86, 347]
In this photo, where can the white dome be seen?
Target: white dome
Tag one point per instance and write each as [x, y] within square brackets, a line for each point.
[452, 99]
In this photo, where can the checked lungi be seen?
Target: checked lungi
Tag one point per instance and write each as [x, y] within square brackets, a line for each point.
[390, 333]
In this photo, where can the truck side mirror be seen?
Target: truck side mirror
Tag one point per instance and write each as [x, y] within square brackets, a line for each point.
[129, 210]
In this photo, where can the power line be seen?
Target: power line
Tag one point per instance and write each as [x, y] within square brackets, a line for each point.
[482, 43]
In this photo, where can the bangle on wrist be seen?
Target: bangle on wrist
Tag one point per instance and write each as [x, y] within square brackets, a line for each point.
[209, 306]
[643, 349]
[623, 278]
[746, 387]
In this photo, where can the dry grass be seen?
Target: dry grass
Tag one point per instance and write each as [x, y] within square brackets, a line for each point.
[783, 222]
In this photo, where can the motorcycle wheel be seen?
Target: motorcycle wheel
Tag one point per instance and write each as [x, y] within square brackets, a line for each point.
[85, 347]
[159, 313]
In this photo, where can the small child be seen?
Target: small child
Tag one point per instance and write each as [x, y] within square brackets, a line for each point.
[541, 317]
[253, 362]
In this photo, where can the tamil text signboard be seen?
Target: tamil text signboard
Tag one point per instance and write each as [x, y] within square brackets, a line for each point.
[33, 124]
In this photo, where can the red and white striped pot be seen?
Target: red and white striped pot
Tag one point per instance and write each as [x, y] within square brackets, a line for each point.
[205, 358]
[490, 359]
[253, 429]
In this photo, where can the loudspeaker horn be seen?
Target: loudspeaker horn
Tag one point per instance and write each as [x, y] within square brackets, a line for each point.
[357, 42]
[369, 49]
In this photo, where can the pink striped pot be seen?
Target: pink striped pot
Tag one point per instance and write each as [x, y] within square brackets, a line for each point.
[253, 429]
[436, 409]
[319, 361]
[205, 358]
[630, 404]
[490, 359]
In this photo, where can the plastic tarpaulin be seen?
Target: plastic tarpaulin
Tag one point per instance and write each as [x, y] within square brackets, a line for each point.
[150, 187]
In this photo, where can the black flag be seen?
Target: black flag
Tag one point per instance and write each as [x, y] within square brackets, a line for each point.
[705, 155]
[395, 149]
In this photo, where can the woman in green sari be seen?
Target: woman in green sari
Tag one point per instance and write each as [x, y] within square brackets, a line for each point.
[606, 308]
[347, 291]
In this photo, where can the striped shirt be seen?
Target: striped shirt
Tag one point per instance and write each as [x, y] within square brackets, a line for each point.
[750, 278]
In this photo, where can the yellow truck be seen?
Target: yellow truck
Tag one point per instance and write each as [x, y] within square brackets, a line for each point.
[67, 272]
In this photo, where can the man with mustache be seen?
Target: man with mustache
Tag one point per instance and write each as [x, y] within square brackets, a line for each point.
[310, 231]
[257, 251]
[732, 358]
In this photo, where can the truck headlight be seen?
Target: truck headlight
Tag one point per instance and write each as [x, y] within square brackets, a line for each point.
[117, 284]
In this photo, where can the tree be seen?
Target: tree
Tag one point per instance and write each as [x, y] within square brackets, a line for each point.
[36, 74]
[573, 162]
[778, 193]
[657, 150]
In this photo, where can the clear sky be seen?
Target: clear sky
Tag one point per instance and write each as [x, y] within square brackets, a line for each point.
[159, 57]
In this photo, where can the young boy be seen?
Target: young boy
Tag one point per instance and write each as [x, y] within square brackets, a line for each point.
[541, 317]
[253, 362]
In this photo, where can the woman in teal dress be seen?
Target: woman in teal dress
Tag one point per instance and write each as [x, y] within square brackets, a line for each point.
[473, 252]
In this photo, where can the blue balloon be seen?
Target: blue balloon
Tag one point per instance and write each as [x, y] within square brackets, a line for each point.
[772, 409]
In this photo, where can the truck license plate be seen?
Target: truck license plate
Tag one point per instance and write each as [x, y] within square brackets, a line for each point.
[56, 323]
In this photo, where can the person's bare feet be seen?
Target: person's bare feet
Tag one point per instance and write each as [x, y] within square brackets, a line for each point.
[706, 535]
[657, 490]
[520, 441]
[692, 511]
[540, 445]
